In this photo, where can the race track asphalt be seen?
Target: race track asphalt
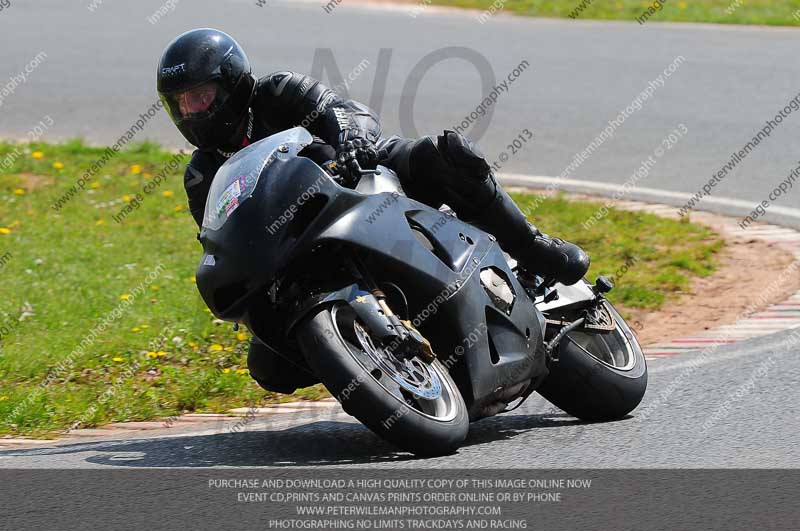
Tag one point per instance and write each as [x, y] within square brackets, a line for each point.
[734, 407]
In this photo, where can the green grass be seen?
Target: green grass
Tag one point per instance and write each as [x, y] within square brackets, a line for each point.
[650, 258]
[163, 354]
[771, 12]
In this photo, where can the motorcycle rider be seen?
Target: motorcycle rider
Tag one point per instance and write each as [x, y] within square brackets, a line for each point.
[208, 89]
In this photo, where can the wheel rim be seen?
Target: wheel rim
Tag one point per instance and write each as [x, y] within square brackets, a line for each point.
[613, 349]
[424, 388]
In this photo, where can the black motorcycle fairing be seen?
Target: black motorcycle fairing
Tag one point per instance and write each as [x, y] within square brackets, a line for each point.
[493, 350]
[298, 219]
[257, 237]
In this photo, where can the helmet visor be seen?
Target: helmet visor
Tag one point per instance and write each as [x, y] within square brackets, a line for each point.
[195, 103]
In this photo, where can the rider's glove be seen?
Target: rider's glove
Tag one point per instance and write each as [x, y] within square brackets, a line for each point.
[359, 150]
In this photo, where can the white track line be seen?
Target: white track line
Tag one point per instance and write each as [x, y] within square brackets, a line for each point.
[537, 181]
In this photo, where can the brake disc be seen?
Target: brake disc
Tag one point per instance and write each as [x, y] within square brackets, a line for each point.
[413, 374]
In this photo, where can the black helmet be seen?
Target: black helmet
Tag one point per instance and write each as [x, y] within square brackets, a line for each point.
[206, 84]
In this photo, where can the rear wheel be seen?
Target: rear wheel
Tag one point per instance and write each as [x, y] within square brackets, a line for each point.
[598, 376]
[411, 403]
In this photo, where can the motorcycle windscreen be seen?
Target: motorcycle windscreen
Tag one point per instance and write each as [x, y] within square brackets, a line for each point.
[237, 178]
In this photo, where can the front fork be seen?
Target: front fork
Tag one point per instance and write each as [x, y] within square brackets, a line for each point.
[403, 340]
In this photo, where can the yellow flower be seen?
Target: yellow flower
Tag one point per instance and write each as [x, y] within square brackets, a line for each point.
[58, 165]
[136, 329]
[2, 398]
[100, 222]
[155, 288]
[192, 344]
[161, 353]
[168, 193]
[145, 327]
[147, 176]
[95, 185]
[193, 280]
[37, 155]
[682, 5]
[152, 355]
[241, 371]
[117, 359]
[226, 371]
[124, 297]
[178, 208]
[19, 191]
[136, 169]
[126, 198]
[216, 347]
[4, 230]
[241, 336]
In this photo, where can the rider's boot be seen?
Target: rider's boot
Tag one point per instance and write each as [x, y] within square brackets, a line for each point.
[537, 253]
[470, 188]
[274, 373]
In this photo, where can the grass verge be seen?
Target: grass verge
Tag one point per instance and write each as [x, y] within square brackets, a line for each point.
[100, 321]
[769, 12]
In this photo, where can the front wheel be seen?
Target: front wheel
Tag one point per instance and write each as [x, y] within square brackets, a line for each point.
[598, 376]
[412, 404]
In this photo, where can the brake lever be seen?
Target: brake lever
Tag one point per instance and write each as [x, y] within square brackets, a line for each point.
[376, 171]
[356, 168]
[353, 172]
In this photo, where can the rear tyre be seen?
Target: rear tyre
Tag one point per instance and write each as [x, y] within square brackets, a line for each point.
[598, 376]
[414, 405]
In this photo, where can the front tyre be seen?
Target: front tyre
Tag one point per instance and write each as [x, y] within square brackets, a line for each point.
[412, 404]
[598, 376]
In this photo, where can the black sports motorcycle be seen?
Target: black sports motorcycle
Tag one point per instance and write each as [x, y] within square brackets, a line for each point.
[414, 320]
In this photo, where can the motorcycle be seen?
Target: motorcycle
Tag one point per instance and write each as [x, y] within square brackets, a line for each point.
[416, 321]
